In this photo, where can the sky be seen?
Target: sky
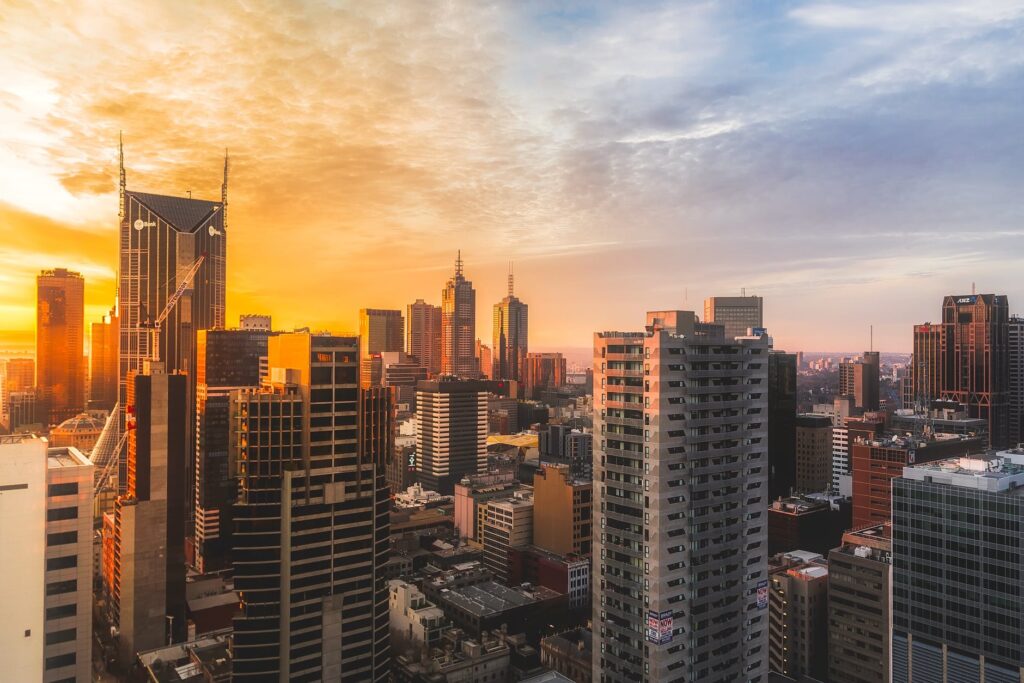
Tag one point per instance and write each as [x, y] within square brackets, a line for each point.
[850, 162]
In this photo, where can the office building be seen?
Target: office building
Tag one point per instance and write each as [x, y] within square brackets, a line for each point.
[579, 453]
[380, 330]
[877, 462]
[60, 343]
[254, 322]
[451, 432]
[423, 339]
[570, 653]
[1015, 362]
[23, 509]
[485, 360]
[565, 574]
[103, 363]
[511, 330]
[225, 360]
[544, 372]
[798, 615]
[813, 453]
[508, 523]
[402, 373]
[19, 376]
[737, 314]
[841, 461]
[806, 523]
[311, 519]
[860, 379]
[956, 554]
[69, 566]
[782, 411]
[566, 505]
[928, 368]
[472, 493]
[458, 326]
[161, 237]
[682, 449]
[859, 584]
[148, 601]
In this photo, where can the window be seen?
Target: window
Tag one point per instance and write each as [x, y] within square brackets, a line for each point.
[60, 661]
[61, 612]
[61, 587]
[65, 562]
[62, 538]
[57, 514]
[70, 489]
[64, 636]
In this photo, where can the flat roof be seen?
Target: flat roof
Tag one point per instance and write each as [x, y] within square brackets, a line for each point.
[996, 472]
[66, 456]
[488, 598]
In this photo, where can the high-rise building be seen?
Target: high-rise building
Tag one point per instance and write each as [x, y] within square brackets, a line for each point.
[424, 335]
[485, 360]
[508, 524]
[60, 326]
[782, 407]
[544, 372]
[957, 562]
[859, 584]
[737, 314]
[19, 376]
[565, 504]
[23, 510]
[161, 237]
[798, 615]
[511, 331]
[579, 453]
[311, 520]
[380, 330]
[451, 432]
[813, 452]
[103, 361]
[148, 601]
[225, 360]
[876, 462]
[69, 566]
[859, 379]
[458, 326]
[928, 369]
[682, 454]
[1015, 361]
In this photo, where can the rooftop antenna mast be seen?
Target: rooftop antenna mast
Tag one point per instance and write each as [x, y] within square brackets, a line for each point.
[458, 264]
[872, 346]
[511, 282]
[121, 181]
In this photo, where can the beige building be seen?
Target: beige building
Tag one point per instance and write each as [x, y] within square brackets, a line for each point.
[509, 524]
[415, 622]
[566, 506]
[813, 452]
[737, 314]
[798, 615]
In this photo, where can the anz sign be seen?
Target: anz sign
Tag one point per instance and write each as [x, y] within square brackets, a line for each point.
[973, 299]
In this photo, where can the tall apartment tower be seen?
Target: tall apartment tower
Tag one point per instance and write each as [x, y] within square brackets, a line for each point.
[458, 326]
[957, 561]
[60, 343]
[149, 519]
[736, 313]
[103, 361]
[160, 238]
[782, 406]
[1015, 336]
[69, 566]
[451, 432]
[23, 510]
[860, 379]
[681, 510]
[311, 520]
[225, 360]
[380, 330]
[511, 317]
[423, 338]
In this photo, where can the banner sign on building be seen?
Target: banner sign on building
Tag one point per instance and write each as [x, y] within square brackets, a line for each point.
[762, 594]
[659, 627]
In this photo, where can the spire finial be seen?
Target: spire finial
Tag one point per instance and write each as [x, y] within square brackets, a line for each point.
[121, 180]
[511, 280]
[458, 264]
[224, 185]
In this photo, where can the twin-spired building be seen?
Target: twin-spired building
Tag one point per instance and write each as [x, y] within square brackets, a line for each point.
[681, 477]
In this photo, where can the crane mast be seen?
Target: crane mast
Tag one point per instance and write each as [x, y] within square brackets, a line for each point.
[172, 301]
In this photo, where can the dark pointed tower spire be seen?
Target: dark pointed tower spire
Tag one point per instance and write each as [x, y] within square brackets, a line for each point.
[511, 280]
[122, 180]
[224, 188]
[458, 264]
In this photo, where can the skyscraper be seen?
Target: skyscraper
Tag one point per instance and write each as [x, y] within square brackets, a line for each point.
[311, 521]
[424, 335]
[736, 313]
[149, 518]
[160, 238]
[458, 326]
[781, 424]
[225, 360]
[928, 370]
[485, 360]
[510, 336]
[60, 372]
[380, 330]
[813, 452]
[956, 567]
[680, 515]
[544, 371]
[859, 379]
[1015, 335]
[104, 345]
[451, 432]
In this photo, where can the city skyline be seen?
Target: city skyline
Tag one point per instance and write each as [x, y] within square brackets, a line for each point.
[682, 161]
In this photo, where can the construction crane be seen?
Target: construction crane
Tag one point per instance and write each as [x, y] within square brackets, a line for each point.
[172, 300]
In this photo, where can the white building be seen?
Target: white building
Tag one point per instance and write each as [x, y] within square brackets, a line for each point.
[22, 556]
[415, 622]
[508, 524]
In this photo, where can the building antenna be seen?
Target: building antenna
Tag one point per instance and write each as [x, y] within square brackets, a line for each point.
[224, 189]
[121, 181]
[973, 290]
[872, 347]
[511, 280]
[458, 264]
[743, 291]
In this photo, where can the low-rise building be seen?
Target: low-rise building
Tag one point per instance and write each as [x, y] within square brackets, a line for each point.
[415, 621]
[488, 606]
[508, 525]
[459, 658]
[570, 654]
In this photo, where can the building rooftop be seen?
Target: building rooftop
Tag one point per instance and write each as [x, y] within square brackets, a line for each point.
[66, 457]
[491, 598]
[83, 422]
[184, 214]
[798, 505]
[995, 472]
